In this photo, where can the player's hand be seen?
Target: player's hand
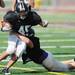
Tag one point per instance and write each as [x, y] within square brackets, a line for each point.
[45, 23]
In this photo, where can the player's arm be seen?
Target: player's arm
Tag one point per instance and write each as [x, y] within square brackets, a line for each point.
[26, 40]
[13, 5]
[44, 23]
[31, 3]
[37, 20]
[6, 26]
[2, 4]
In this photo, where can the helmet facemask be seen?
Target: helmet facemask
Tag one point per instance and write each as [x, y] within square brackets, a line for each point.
[22, 9]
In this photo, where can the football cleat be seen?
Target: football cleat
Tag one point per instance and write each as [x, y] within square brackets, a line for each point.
[25, 58]
[5, 71]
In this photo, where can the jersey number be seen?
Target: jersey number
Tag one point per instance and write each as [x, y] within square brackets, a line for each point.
[24, 30]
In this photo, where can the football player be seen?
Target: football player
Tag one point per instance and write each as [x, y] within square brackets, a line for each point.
[15, 45]
[28, 2]
[2, 4]
[23, 26]
[30, 18]
[19, 5]
[38, 55]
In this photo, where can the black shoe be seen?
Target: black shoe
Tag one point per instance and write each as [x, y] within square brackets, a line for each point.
[25, 58]
[5, 71]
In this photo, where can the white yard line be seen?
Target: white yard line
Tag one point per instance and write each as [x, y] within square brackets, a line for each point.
[58, 73]
[35, 69]
[57, 47]
[58, 40]
[20, 68]
[47, 47]
[70, 55]
[53, 40]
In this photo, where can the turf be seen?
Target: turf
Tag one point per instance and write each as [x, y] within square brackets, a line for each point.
[50, 33]
[52, 39]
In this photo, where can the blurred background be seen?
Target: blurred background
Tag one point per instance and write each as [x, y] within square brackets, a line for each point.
[58, 37]
[58, 11]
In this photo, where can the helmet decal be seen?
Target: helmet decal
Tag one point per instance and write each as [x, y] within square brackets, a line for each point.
[22, 6]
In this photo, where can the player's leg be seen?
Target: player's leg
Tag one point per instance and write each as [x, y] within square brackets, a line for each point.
[53, 65]
[12, 40]
[32, 53]
[70, 62]
[3, 55]
[21, 47]
[5, 70]
[46, 59]
[11, 47]
[13, 5]
[2, 4]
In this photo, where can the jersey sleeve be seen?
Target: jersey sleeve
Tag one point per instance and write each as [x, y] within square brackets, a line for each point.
[36, 19]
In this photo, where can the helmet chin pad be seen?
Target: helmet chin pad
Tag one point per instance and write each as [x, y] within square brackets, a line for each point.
[22, 17]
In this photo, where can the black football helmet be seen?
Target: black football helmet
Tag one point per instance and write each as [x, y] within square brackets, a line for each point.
[22, 6]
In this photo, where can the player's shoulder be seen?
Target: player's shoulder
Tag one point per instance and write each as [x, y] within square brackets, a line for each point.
[10, 15]
[31, 14]
[10, 12]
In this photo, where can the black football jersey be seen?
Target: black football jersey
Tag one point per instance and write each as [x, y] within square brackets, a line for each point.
[24, 26]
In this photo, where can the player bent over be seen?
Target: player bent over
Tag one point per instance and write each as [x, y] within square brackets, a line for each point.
[15, 46]
[46, 59]
[42, 57]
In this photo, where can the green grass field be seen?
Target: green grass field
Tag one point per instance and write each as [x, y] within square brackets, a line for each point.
[58, 40]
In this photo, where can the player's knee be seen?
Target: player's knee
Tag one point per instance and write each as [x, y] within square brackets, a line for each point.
[14, 57]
